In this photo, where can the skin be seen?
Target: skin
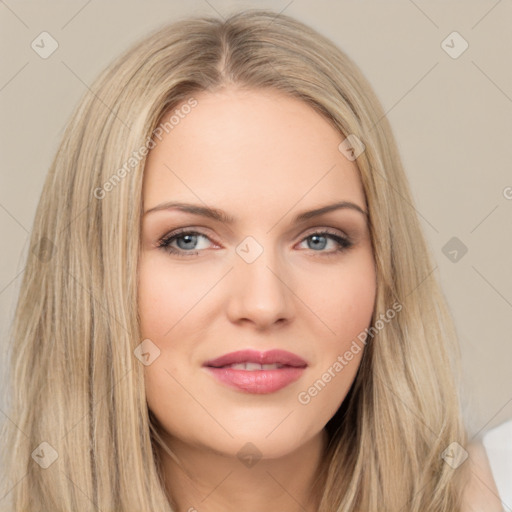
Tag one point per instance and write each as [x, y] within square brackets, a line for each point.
[481, 494]
[262, 157]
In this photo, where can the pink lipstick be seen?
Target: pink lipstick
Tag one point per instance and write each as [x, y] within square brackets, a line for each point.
[257, 372]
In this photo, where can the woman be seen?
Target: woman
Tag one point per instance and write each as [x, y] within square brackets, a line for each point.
[298, 355]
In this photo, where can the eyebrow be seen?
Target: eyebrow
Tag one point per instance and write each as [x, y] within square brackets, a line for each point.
[222, 216]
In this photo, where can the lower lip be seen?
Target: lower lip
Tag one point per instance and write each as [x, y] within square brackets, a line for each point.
[257, 381]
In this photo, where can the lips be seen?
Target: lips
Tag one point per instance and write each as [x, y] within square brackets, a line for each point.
[256, 372]
[251, 358]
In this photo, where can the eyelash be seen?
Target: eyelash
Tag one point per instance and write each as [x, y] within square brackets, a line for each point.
[165, 242]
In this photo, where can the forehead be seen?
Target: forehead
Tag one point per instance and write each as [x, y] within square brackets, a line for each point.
[237, 145]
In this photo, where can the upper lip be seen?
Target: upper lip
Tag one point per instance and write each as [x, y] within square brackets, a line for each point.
[254, 356]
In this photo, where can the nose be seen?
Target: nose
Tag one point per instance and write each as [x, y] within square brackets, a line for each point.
[259, 293]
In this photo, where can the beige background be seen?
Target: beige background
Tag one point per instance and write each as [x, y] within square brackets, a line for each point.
[452, 119]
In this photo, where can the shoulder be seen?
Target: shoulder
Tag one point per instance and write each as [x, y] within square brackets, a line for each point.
[480, 493]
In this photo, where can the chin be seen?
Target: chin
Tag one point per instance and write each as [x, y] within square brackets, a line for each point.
[265, 442]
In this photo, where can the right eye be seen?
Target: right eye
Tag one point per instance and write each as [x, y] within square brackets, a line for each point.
[191, 238]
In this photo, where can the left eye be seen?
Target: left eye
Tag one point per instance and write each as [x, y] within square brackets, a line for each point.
[319, 240]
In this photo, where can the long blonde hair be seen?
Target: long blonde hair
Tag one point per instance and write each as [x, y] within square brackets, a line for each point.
[76, 384]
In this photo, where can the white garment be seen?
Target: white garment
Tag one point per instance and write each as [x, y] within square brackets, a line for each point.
[498, 446]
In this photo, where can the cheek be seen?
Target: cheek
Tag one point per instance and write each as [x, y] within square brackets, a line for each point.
[163, 299]
[154, 295]
[354, 304]
[343, 299]
[165, 295]
[345, 303]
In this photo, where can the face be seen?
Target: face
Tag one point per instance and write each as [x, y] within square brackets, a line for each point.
[266, 279]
